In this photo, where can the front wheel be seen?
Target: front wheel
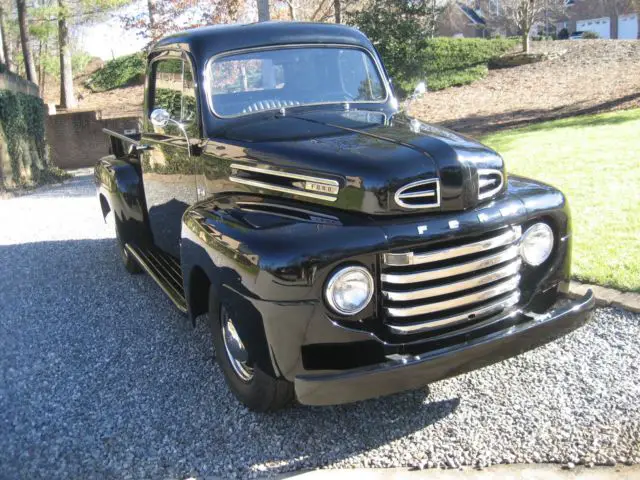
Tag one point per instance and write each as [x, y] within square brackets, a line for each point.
[258, 390]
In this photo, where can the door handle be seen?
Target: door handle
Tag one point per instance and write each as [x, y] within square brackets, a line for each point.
[136, 149]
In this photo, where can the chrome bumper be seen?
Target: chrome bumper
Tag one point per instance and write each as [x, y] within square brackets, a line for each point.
[530, 331]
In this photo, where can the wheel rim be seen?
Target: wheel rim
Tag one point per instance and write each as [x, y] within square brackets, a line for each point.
[236, 353]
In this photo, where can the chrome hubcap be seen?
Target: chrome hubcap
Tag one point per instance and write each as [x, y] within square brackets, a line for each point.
[236, 353]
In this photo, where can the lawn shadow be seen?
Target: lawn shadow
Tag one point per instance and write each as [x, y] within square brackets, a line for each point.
[533, 119]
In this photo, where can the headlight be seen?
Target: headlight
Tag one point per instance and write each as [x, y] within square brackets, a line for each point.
[536, 244]
[349, 290]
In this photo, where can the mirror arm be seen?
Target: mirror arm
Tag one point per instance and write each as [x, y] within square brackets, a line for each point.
[183, 129]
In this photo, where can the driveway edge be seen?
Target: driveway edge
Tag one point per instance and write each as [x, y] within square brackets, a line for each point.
[499, 472]
[607, 297]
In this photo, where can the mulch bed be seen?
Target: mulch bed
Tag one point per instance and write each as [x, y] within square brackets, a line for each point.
[584, 76]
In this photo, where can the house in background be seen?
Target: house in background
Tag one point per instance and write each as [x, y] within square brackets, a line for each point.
[616, 19]
[610, 19]
[462, 19]
[473, 19]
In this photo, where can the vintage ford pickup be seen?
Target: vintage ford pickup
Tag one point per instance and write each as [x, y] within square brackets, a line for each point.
[340, 249]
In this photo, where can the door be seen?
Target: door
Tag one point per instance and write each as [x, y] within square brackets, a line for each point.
[628, 27]
[168, 170]
[601, 26]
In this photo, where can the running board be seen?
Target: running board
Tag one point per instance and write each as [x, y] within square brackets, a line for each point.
[164, 269]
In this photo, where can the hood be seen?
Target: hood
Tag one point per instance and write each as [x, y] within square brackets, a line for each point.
[379, 164]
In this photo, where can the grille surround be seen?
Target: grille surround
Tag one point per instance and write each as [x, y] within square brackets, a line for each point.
[451, 286]
[406, 196]
[486, 180]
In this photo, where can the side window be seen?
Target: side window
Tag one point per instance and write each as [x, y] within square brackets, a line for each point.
[174, 90]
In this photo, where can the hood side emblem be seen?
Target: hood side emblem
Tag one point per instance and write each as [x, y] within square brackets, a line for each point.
[422, 229]
[420, 194]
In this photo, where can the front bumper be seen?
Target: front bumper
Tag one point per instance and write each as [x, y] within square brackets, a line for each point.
[530, 331]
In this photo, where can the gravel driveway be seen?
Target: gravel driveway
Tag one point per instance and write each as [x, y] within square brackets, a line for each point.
[101, 377]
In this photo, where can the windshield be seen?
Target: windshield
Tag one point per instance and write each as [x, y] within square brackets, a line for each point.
[249, 82]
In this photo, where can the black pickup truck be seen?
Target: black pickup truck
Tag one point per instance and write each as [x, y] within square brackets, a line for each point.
[340, 249]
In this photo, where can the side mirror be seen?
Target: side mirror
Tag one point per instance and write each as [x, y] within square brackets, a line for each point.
[421, 89]
[160, 117]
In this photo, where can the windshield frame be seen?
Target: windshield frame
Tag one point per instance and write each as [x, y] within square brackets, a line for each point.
[374, 58]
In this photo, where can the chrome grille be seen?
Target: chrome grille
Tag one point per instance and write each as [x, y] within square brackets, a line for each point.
[420, 194]
[444, 287]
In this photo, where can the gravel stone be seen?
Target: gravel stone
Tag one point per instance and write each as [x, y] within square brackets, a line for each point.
[102, 377]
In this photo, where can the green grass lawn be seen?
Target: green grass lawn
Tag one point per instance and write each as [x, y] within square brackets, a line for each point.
[595, 161]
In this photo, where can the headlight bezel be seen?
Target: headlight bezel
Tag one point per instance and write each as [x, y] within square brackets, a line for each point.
[533, 229]
[335, 277]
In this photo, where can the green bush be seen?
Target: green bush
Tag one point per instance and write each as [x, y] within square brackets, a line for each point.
[590, 35]
[120, 72]
[400, 31]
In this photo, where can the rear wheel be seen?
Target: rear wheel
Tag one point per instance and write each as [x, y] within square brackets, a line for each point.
[258, 390]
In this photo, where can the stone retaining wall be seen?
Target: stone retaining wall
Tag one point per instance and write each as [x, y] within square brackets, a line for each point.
[76, 139]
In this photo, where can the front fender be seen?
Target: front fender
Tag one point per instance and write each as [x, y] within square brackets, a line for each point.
[271, 269]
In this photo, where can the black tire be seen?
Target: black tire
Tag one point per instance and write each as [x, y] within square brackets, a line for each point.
[128, 261]
[262, 392]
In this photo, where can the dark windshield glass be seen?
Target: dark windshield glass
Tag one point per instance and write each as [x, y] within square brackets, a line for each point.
[249, 82]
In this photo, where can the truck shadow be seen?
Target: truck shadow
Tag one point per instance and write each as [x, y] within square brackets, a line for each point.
[114, 372]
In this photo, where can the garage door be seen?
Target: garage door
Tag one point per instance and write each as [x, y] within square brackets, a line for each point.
[628, 26]
[601, 26]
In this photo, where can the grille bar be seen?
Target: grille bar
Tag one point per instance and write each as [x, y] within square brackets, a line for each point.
[480, 296]
[420, 327]
[473, 282]
[410, 258]
[435, 274]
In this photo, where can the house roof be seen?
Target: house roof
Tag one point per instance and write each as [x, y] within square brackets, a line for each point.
[472, 14]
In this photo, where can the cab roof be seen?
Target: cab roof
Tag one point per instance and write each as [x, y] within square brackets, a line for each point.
[213, 40]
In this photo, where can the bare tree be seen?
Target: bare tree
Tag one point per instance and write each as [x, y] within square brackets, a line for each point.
[6, 50]
[29, 67]
[67, 97]
[263, 10]
[318, 10]
[152, 5]
[522, 15]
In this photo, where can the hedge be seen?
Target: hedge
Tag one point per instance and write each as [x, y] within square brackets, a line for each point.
[451, 62]
[119, 72]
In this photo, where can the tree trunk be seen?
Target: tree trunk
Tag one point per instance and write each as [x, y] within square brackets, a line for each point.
[42, 73]
[263, 11]
[153, 18]
[337, 10]
[29, 68]
[6, 48]
[67, 98]
[292, 10]
[525, 42]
